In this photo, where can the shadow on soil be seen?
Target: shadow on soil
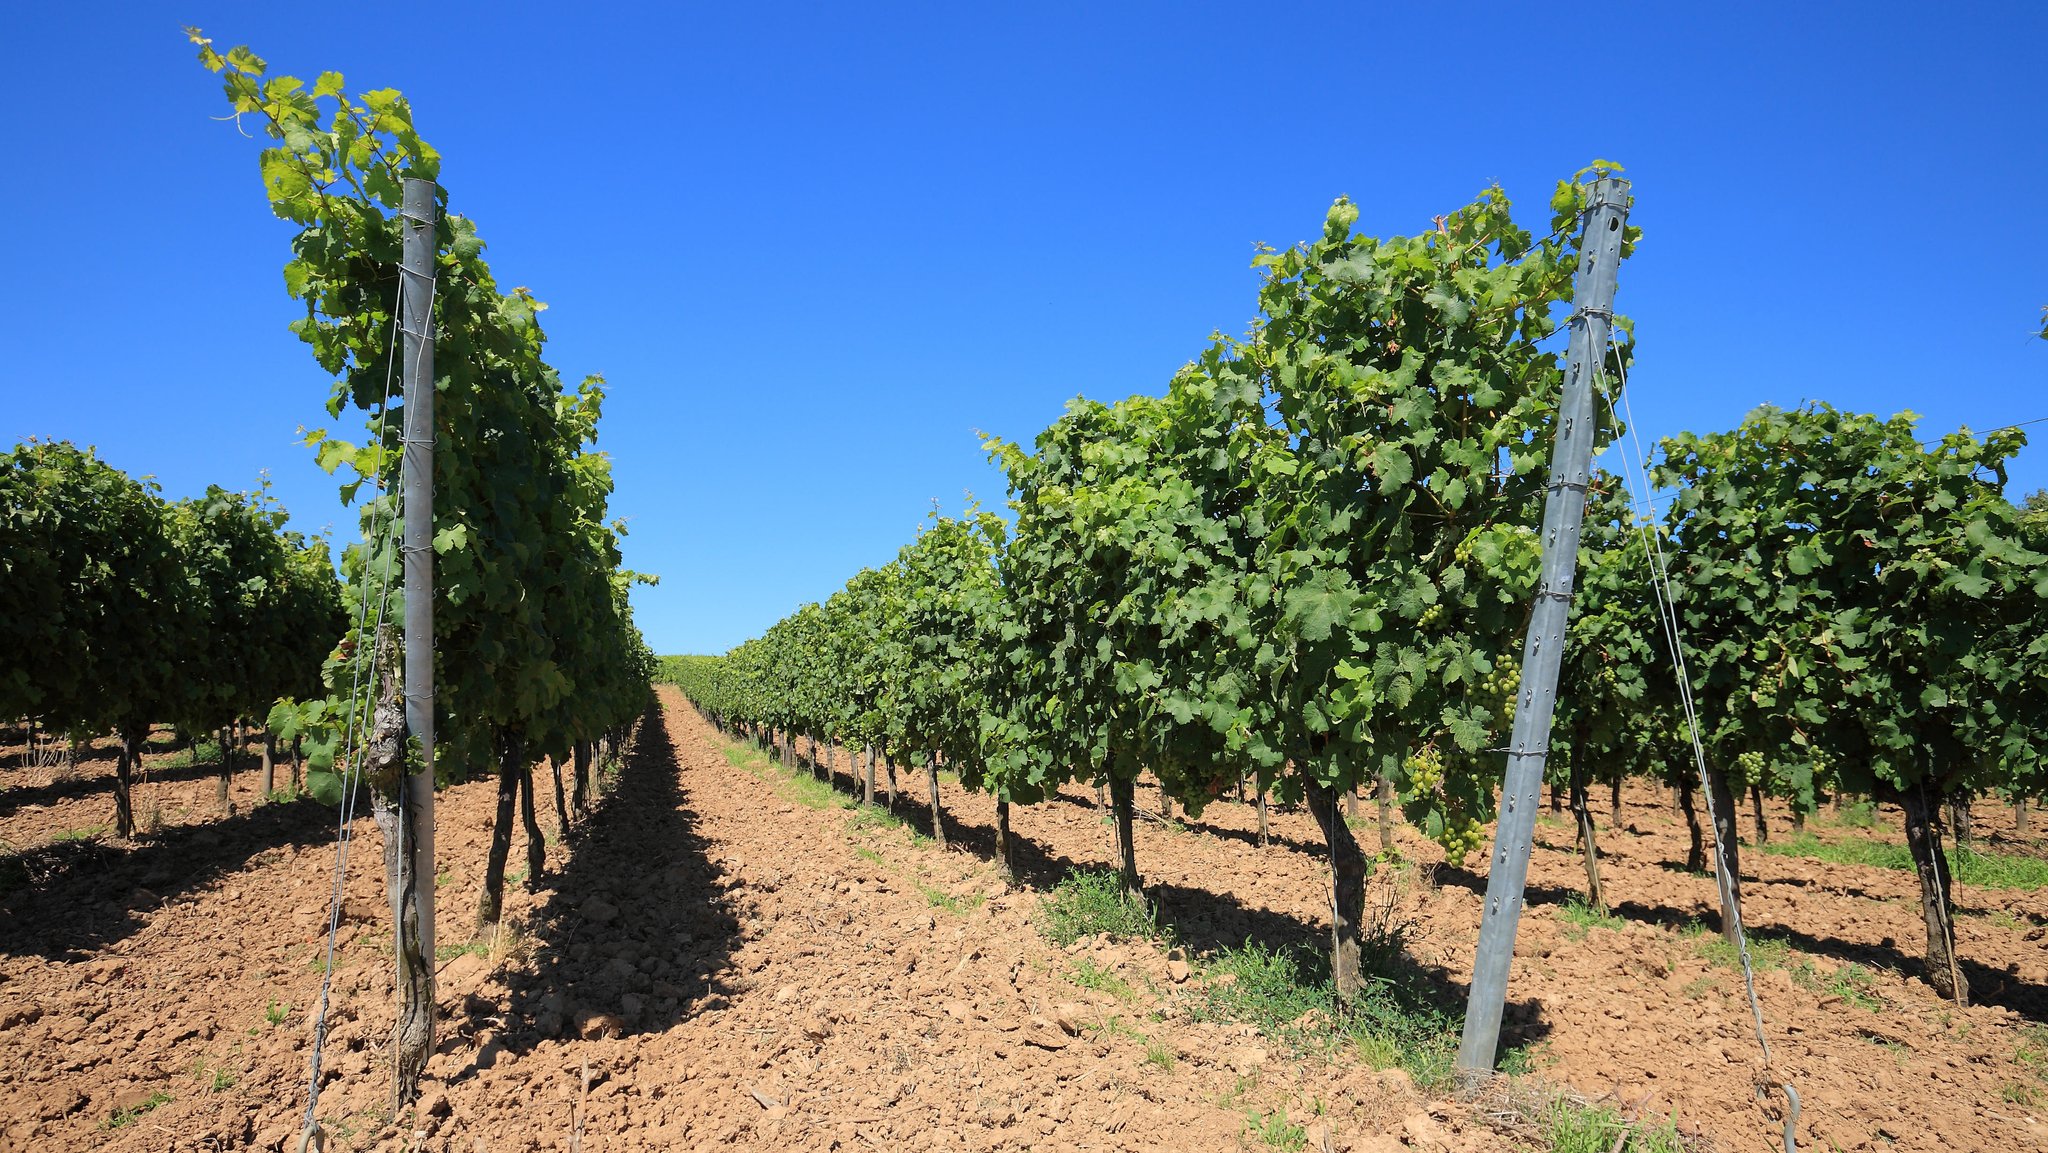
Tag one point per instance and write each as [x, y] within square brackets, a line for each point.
[1206, 922]
[637, 919]
[85, 784]
[66, 899]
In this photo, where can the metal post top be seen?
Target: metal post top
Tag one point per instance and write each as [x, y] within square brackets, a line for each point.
[1609, 192]
[418, 203]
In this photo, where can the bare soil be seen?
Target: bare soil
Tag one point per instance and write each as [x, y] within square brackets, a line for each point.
[709, 962]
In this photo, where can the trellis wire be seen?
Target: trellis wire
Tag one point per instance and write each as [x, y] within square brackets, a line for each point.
[352, 770]
[1667, 615]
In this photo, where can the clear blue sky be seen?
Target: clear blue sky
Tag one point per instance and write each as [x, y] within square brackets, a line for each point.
[814, 249]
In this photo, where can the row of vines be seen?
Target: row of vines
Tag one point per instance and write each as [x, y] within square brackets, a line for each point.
[123, 610]
[536, 650]
[1308, 565]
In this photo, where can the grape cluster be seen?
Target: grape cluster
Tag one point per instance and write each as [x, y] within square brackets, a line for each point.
[1460, 833]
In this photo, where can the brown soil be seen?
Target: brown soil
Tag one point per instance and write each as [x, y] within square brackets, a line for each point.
[719, 964]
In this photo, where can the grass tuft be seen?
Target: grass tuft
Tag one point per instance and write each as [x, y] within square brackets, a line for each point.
[1088, 974]
[1968, 865]
[1580, 919]
[1288, 994]
[958, 906]
[1088, 902]
[1574, 1127]
[122, 1118]
[1275, 1131]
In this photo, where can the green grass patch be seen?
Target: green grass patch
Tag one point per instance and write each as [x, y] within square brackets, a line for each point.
[450, 952]
[275, 1012]
[1087, 902]
[85, 834]
[121, 1118]
[1275, 1131]
[1118, 1027]
[1089, 974]
[1160, 1056]
[1967, 865]
[1856, 815]
[1852, 983]
[958, 906]
[1288, 994]
[1765, 952]
[203, 753]
[1572, 1127]
[215, 1078]
[1580, 919]
[869, 855]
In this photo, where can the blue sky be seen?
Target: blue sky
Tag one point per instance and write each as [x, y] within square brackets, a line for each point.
[815, 249]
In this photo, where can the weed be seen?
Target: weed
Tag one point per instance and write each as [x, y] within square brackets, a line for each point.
[1087, 902]
[85, 834]
[1234, 1096]
[1852, 983]
[444, 878]
[1288, 995]
[1580, 918]
[215, 1078]
[450, 952]
[867, 854]
[1160, 1056]
[280, 796]
[1860, 815]
[2006, 919]
[1115, 1027]
[1699, 987]
[1574, 1127]
[1968, 865]
[1090, 975]
[1765, 952]
[275, 1012]
[958, 906]
[1275, 1131]
[121, 1118]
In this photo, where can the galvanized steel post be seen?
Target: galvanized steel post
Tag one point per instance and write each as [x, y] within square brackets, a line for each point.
[416, 324]
[1564, 510]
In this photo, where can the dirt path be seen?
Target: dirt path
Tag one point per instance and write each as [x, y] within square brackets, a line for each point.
[732, 964]
[728, 966]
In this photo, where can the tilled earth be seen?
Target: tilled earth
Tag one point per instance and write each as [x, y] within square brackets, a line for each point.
[709, 961]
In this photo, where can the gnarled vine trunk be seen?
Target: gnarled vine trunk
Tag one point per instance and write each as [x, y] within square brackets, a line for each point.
[227, 771]
[1121, 796]
[1347, 889]
[536, 844]
[561, 802]
[1260, 803]
[868, 775]
[490, 904]
[1383, 795]
[1922, 804]
[580, 793]
[931, 775]
[384, 766]
[1756, 809]
[124, 805]
[1582, 811]
[1696, 852]
[1004, 863]
[1727, 853]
